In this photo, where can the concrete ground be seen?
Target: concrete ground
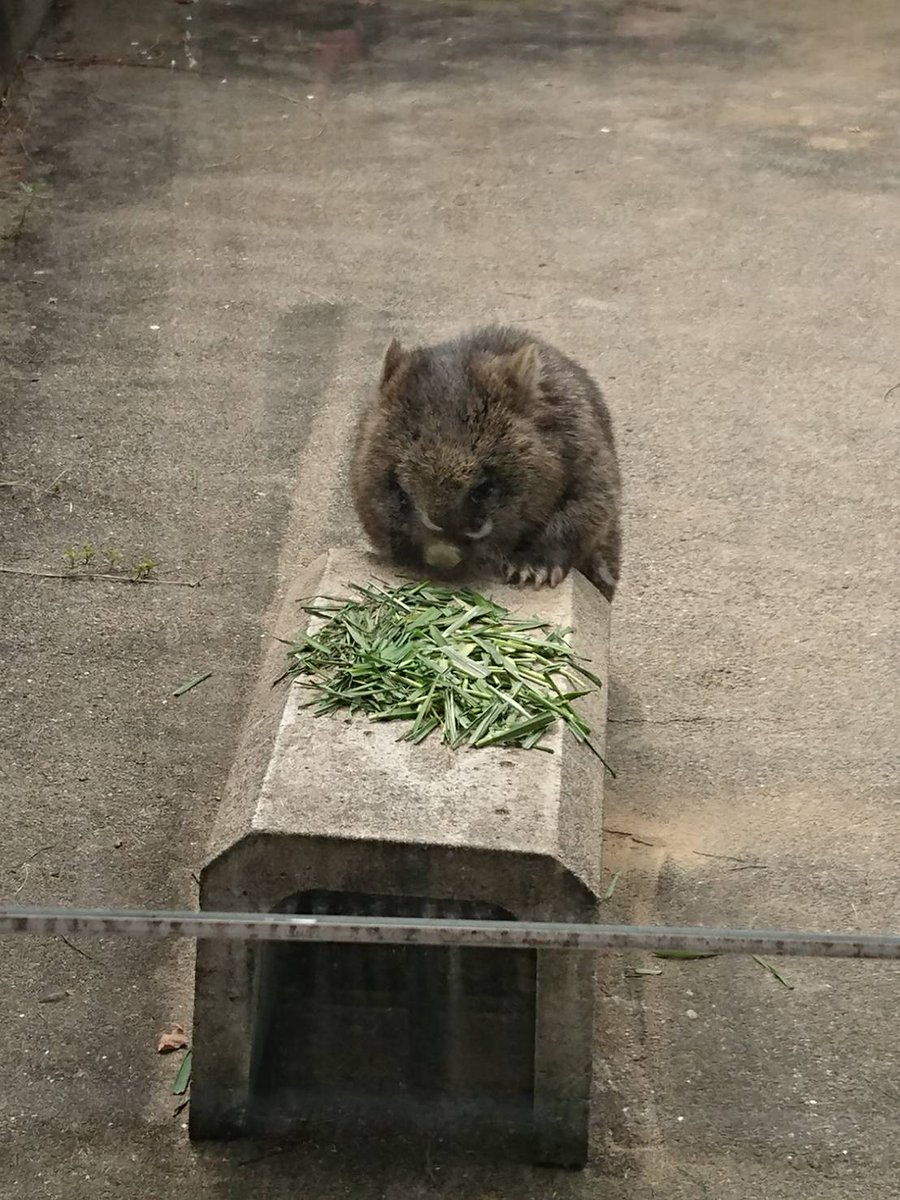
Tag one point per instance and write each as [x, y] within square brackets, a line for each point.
[214, 214]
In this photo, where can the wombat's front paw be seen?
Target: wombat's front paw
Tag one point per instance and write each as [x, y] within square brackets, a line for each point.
[537, 570]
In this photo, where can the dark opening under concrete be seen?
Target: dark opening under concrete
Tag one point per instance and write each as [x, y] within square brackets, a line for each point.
[421, 1040]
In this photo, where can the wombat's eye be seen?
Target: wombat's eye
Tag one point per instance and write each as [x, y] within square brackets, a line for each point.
[489, 488]
[479, 498]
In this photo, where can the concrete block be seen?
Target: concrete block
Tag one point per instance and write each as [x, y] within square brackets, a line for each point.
[322, 814]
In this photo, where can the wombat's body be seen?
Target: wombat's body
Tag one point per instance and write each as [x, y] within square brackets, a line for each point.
[490, 453]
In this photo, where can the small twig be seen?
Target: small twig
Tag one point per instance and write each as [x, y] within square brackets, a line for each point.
[25, 864]
[72, 575]
[32, 857]
[58, 480]
[667, 720]
[280, 95]
[891, 389]
[625, 833]
[99, 60]
[729, 858]
[77, 949]
[311, 137]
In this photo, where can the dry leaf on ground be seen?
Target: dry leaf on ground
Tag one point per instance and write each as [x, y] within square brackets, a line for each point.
[172, 1039]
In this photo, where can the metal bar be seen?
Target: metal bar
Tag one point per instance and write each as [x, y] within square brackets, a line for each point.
[431, 932]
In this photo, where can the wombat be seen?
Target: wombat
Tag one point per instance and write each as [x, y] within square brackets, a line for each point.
[490, 454]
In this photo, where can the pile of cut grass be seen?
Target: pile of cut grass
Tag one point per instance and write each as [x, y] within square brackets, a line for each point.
[443, 659]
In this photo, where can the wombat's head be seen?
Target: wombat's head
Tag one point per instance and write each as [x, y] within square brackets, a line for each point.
[466, 433]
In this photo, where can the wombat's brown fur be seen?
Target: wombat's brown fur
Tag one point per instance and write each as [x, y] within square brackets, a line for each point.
[493, 452]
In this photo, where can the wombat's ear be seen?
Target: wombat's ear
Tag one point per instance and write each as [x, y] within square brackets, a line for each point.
[394, 358]
[518, 373]
[524, 368]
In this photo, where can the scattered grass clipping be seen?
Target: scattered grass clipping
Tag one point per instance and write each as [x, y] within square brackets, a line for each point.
[190, 684]
[183, 1078]
[610, 891]
[772, 971]
[447, 661]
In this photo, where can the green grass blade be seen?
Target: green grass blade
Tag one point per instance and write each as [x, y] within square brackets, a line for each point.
[192, 683]
[441, 659]
[183, 1078]
[772, 971]
[608, 894]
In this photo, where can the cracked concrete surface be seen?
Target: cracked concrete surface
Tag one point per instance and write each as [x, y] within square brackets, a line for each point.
[701, 202]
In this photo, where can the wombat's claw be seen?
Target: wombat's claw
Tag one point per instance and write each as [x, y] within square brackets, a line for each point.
[535, 575]
[516, 575]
